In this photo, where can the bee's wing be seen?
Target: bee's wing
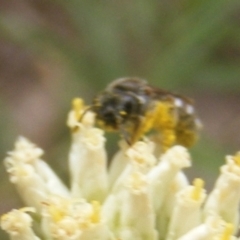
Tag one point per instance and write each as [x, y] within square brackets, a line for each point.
[163, 95]
[127, 84]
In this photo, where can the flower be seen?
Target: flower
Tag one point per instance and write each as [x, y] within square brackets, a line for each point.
[143, 195]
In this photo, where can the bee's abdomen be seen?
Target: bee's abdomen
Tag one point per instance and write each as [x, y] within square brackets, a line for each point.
[188, 124]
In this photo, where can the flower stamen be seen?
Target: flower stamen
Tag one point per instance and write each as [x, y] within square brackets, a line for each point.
[228, 231]
[77, 105]
[198, 184]
[95, 218]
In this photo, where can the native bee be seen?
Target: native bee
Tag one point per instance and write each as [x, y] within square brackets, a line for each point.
[133, 107]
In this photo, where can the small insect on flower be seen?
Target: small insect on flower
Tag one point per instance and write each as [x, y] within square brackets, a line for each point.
[133, 107]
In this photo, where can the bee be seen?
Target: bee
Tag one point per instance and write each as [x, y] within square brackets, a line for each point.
[134, 108]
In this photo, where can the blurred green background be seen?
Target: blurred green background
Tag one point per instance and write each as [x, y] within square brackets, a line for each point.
[52, 51]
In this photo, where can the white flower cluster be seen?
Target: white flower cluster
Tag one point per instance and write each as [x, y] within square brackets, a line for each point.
[141, 196]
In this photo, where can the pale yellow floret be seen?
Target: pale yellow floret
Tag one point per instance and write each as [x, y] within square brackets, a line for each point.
[70, 218]
[18, 224]
[141, 155]
[79, 115]
[93, 138]
[25, 151]
[232, 165]
[33, 177]
[95, 218]
[137, 158]
[88, 215]
[29, 184]
[56, 213]
[137, 182]
[211, 229]
[224, 199]
[227, 233]
[186, 213]
[177, 156]
[88, 164]
[198, 184]
[118, 163]
[149, 198]
[236, 158]
[18, 171]
[11, 214]
[65, 229]
[161, 176]
[56, 208]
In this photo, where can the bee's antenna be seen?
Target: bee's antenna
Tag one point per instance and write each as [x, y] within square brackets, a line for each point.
[85, 111]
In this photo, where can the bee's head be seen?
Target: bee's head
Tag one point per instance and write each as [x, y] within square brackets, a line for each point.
[113, 109]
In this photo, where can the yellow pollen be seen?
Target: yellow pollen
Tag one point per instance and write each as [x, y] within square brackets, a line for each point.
[227, 233]
[123, 113]
[139, 159]
[95, 218]
[198, 184]
[166, 115]
[165, 122]
[236, 158]
[78, 106]
[169, 138]
[56, 213]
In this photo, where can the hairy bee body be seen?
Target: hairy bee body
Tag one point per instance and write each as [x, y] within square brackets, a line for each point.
[133, 107]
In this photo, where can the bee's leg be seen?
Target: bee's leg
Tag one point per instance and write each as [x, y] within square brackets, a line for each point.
[136, 130]
[89, 108]
[125, 134]
[142, 125]
[131, 131]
